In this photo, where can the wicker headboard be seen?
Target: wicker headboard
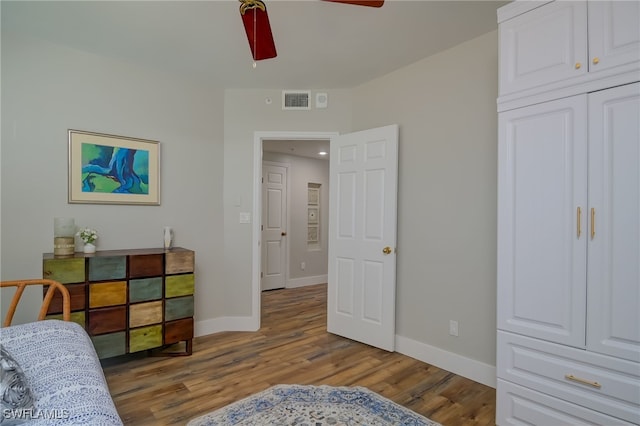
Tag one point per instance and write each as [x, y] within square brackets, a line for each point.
[53, 286]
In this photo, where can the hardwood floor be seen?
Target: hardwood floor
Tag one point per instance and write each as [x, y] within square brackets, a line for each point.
[291, 347]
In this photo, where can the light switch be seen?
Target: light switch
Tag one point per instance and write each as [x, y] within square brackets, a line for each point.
[245, 217]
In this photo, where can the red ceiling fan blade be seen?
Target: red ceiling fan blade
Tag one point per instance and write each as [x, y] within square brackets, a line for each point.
[256, 24]
[370, 3]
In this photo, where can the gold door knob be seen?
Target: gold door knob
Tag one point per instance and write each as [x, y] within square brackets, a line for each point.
[578, 65]
[386, 250]
[596, 61]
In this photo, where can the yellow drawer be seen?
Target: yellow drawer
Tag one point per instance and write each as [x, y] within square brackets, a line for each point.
[145, 314]
[107, 294]
[179, 285]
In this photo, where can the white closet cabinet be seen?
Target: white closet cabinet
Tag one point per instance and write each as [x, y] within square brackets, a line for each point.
[561, 43]
[569, 256]
[568, 339]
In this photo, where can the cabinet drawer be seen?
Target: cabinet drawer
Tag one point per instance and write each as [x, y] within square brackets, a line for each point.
[179, 285]
[107, 320]
[107, 268]
[147, 265]
[64, 270]
[112, 344]
[145, 338]
[107, 294]
[606, 384]
[178, 307]
[518, 406]
[178, 262]
[177, 331]
[145, 289]
[77, 293]
[145, 313]
[77, 317]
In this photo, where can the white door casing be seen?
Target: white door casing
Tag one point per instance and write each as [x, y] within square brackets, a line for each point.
[362, 236]
[274, 220]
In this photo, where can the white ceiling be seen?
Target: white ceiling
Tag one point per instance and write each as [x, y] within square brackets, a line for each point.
[321, 45]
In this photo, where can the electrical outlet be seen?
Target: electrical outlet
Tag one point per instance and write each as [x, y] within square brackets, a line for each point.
[303, 265]
[453, 328]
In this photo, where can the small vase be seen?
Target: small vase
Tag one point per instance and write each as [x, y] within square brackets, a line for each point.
[89, 248]
[168, 237]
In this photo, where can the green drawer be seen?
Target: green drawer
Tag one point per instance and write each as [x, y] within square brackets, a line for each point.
[77, 317]
[145, 289]
[178, 307]
[145, 338]
[107, 268]
[112, 344]
[64, 270]
[179, 285]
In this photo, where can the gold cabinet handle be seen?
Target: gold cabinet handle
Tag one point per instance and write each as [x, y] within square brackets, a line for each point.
[596, 60]
[578, 65]
[579, 221]
[582, 381]
[593, 223]
[386, 250]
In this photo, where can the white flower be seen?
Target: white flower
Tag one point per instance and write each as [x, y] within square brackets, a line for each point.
[87, 235]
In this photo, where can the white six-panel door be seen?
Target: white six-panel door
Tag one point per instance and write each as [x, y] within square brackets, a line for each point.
[274, 219]
[362, 236]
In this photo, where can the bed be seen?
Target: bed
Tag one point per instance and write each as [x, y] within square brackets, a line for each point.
[51, 374]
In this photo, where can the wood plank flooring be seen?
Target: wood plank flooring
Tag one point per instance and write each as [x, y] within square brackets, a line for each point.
[292, 346]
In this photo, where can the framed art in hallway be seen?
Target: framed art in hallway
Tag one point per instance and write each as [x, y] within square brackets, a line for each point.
[109, 169]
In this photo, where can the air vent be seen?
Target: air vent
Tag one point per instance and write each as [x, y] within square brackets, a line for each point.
[296, 99]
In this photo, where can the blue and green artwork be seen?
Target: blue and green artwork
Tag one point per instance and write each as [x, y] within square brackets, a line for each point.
[109, 169]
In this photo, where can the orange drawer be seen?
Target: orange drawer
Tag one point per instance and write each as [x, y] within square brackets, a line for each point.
[107, 294]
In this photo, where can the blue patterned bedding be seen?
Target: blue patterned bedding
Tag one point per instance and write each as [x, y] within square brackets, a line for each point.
[63, 373]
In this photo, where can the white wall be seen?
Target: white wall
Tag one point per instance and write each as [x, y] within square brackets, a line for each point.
[446, 108]
[47, 89]
[303, 171]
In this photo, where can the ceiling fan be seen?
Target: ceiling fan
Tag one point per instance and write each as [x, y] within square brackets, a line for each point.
[256, 24]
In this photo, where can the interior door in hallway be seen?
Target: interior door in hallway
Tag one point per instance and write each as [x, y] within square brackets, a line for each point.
[362, 236]
[274, 220]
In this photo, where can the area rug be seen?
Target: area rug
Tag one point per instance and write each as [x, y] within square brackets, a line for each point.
[313, 406]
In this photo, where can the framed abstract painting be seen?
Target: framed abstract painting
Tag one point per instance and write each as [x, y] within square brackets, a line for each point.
[109, 169]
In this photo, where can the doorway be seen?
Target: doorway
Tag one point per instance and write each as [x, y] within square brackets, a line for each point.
[260, 139]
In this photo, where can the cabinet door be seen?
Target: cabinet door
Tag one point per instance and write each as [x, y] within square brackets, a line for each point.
[542, 178]
[614, 240]
[614, 34]
[545, 45]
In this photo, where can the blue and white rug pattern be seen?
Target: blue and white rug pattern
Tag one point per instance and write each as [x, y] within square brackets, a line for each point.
[313, 406]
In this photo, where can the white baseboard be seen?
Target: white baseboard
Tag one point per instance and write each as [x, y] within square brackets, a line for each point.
[458, 364]
[305, 281]
[218, 325]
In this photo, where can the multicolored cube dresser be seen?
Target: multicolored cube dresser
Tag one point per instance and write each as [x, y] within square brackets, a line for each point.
[128, 300]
